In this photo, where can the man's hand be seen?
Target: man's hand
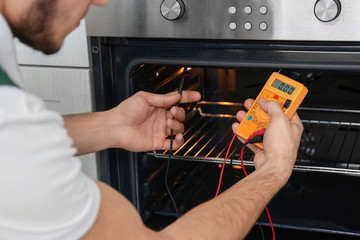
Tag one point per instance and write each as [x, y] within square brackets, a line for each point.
[281, 140]
[240, 206]
[143, 121]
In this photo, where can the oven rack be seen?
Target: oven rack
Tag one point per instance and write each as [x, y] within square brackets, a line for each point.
[326, 145]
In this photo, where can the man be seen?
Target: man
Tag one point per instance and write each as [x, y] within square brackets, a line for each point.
[44, 194]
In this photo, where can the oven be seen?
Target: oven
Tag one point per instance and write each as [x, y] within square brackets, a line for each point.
[230, 48]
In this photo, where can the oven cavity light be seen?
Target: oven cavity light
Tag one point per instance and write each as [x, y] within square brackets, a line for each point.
[157, 74]
[226, 103]
[237, 167]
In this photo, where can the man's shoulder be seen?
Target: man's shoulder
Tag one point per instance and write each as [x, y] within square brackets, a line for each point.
[46, 196]
[10, 95]
[15, 102]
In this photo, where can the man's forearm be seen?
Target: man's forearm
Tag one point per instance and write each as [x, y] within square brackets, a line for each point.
[89, 132]
[232, 214]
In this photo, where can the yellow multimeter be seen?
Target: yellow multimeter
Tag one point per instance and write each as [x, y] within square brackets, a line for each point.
[280, 88]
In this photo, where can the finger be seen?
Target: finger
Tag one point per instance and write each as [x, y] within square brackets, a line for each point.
[170, 99]
[248, 102]
[175, 126]
[172, 93]
[162, 100]
[297, 121]
[169, 115]
[272, 108]
[240, 115]
[190, 96]
[177, 113]
[177, 142]
[234, 126]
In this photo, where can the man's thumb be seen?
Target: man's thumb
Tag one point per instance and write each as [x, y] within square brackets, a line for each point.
[163, 100]
[271, 107]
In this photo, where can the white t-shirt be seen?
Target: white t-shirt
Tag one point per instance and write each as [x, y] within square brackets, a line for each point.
[43, 192]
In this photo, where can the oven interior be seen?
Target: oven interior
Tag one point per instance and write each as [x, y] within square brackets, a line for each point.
[321, 195]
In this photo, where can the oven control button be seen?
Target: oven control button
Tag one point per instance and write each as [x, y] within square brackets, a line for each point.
[232, 26]
[263, 10]
[232, 10]
[247, 10]
[263, 26]
[247, 26]
[327, 10]
[172, 9]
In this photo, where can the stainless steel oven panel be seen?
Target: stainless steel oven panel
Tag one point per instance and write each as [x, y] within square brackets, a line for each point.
[213, 19]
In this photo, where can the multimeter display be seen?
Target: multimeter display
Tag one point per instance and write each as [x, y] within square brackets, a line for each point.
[286, 91]
[286, 88]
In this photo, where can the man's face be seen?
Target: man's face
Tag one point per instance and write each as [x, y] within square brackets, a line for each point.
[45, 23]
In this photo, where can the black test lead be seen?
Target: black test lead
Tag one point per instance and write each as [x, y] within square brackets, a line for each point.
[182, 80]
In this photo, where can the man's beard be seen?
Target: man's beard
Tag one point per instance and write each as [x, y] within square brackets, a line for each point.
[34, 28]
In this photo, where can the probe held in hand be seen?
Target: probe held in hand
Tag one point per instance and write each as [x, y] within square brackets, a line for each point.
[182, 80]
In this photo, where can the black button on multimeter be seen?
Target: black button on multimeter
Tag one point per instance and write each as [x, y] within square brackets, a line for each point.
[287, 103]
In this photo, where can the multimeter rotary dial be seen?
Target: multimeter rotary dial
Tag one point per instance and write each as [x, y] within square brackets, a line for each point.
[327, 10]
[265, 117]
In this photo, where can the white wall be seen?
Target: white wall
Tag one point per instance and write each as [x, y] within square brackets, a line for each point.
[62, 80]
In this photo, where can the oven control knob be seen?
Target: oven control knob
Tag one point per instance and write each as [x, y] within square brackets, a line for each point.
[172, 9]
[327, 10]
